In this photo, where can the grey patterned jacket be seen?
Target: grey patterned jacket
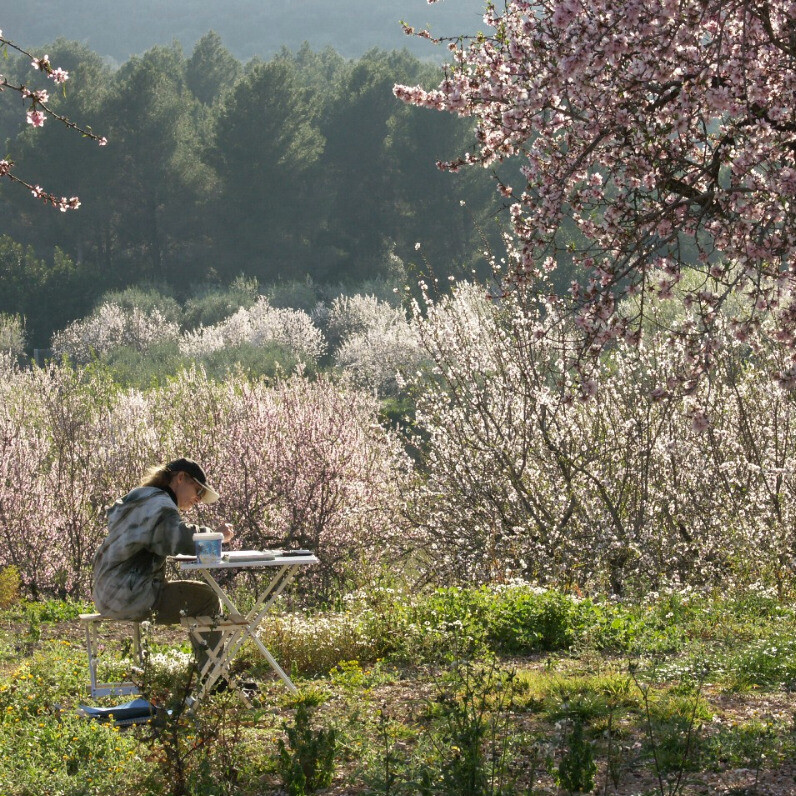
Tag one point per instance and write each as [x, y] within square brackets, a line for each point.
[144, 527]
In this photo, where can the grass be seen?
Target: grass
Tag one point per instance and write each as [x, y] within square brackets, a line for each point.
[479, 691]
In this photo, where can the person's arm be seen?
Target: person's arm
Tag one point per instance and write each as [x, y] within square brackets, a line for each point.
[172, 536]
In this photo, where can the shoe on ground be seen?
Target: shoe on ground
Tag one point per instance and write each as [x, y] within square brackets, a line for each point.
[247, 686]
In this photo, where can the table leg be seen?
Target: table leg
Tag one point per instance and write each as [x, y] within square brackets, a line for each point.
[232, 640]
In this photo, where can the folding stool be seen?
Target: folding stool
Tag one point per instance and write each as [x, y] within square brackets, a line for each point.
[91, 622]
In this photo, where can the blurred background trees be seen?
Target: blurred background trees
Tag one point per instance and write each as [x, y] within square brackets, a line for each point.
[302, 166]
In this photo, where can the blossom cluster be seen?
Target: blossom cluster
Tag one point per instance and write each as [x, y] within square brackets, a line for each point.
[373, 344]
[259, 325]
[299, 464]
[38, 110]
[663, 134]
[111, 327]
[636, 484]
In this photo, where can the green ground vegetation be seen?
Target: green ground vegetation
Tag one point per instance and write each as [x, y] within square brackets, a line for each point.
[509, 690]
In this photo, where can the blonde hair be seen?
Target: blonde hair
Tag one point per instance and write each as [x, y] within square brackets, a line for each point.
[158, 476]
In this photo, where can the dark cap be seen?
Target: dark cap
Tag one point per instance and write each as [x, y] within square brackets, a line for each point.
[190, 467]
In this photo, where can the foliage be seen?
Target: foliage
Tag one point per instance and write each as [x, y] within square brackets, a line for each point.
[472, 710]
[12, 335]
[147, 299]
[577, 769]
[290, 168]
[768, 662]
[473, 724]
[211, 305]
[306, 761]
[9, 586]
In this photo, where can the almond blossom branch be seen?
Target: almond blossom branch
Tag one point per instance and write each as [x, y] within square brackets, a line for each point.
[37, 113]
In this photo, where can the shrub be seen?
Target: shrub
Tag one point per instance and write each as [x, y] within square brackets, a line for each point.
[259, 325]
[306, 761]
[12, 335]
[577, 769]
[112, 326]
[212, 305]
[9, 586]
[146, 299]
[297, 295]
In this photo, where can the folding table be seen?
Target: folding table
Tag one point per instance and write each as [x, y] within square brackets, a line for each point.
[234, 626]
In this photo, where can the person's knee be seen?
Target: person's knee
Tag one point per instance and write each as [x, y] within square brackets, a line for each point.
[212, 605]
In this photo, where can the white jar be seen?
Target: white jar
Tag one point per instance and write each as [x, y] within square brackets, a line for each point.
[208, 547]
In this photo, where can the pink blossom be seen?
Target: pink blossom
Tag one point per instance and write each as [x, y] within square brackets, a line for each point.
[36, 118]
[59, 75]
[42, 63]
[613, 114]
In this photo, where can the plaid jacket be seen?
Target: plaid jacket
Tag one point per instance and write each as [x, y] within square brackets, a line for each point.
[144, 527]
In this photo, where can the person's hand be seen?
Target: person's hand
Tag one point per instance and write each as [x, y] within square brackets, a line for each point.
[227, 530]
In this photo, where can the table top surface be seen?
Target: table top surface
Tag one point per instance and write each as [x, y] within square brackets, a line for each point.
[190, 563]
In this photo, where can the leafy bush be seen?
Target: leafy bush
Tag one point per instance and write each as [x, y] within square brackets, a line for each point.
[297, 295]
[517, 619]
[747, 745]
[213, 304]
[9, 585]
[471, 711]
[270, 360]
[146, 299]
[142, 370]
[12, 335]
[306, 761]
[577, 769]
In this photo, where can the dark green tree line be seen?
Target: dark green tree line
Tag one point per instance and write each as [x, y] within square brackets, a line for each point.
[304, 165]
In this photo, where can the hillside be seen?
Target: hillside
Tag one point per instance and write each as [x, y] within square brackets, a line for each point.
[248, 27]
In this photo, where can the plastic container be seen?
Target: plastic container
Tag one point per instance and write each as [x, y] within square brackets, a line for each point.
[208, 547]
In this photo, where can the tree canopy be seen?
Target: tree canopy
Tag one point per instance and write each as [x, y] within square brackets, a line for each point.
[304, 165]
[666, 132]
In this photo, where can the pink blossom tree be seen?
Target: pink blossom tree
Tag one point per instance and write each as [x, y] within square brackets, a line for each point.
[647, 137]
[299, 463]
[38, 111]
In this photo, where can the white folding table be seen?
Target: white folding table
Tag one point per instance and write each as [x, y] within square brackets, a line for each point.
[234, 626]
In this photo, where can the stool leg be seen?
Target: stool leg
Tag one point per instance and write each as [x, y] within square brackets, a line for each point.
[91, 645]
[137, 649]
